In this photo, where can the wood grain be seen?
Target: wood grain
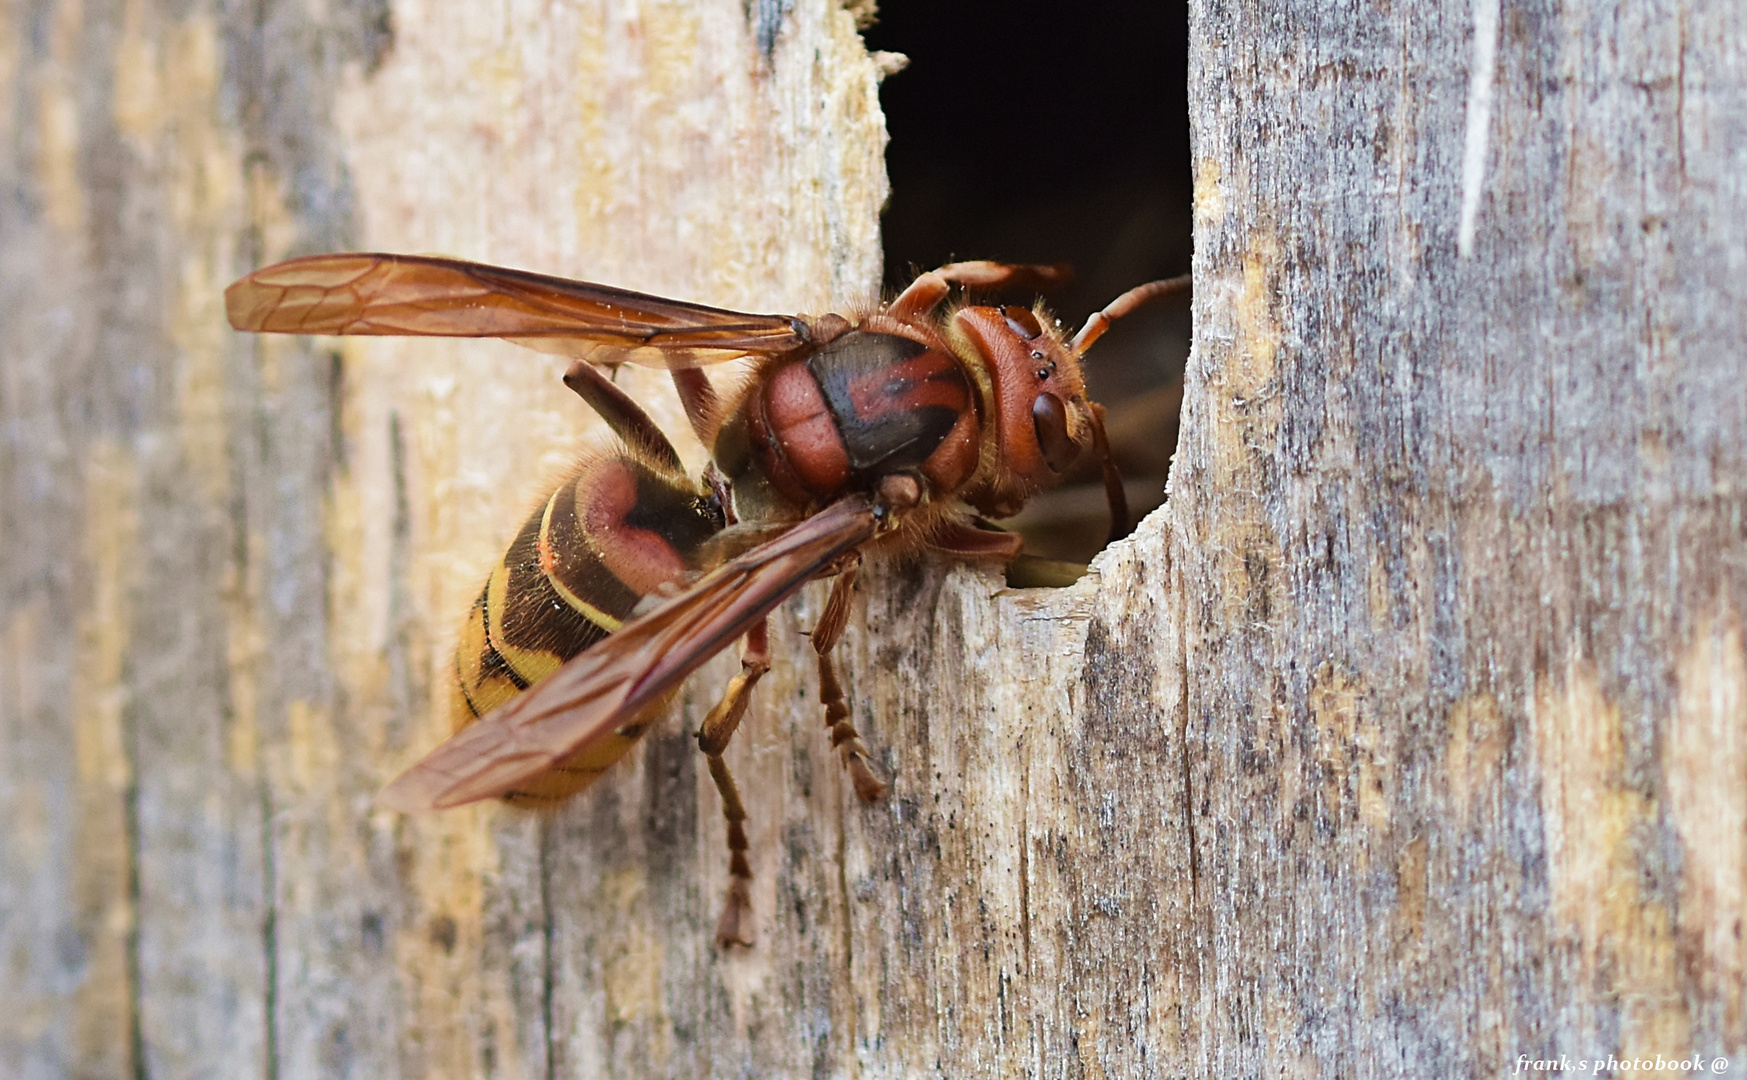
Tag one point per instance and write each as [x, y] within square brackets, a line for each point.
[1408, 738]
[1464, 465]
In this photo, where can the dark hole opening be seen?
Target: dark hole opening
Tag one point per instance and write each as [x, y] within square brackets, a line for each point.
[1027, 131]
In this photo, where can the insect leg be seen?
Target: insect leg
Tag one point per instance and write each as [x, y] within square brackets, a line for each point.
[844, 737]
[983, 274]
[732, 928]
[697, 395]
[718, 727]
[965, 541]
[919, 297]
[713, 736]
[1113, 492]
[627, 418]
[925, 293]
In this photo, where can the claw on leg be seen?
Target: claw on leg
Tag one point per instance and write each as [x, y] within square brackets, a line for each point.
[735, 925]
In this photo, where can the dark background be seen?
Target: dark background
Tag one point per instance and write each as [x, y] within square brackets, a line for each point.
[1039, 132]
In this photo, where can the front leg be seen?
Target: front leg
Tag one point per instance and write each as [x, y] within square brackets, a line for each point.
[925, 293]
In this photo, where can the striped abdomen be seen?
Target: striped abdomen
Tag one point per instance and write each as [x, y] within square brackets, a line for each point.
[616, 530]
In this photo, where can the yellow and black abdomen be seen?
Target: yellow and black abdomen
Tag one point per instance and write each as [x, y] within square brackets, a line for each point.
[618, 528]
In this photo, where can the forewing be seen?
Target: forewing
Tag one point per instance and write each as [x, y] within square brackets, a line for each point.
[425, 296]
[609, 684]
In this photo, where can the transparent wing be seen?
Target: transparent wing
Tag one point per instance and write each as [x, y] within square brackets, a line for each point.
[426, 296]
[611, 683]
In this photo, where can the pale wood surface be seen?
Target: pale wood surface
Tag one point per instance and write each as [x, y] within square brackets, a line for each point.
[1409, 737]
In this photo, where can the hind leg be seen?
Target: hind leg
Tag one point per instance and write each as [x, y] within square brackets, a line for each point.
[734, 927]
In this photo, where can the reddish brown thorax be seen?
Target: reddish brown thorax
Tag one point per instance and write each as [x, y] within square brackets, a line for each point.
[862, 407]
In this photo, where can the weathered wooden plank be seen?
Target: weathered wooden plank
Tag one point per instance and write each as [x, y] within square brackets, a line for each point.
[1462, 464]
[117, 531]
[1408, 737]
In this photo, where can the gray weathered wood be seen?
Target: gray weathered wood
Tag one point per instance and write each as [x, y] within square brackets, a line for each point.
[1460, 511]
[1408, 738]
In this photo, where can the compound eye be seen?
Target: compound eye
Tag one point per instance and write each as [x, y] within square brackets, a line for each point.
[1022, 322]
[1050, 417]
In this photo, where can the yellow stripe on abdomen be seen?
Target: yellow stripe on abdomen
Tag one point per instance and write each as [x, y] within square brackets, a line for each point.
[562, 586]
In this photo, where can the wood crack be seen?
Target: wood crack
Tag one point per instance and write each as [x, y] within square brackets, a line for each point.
[548, 961]
[131, 827]
[269, 938]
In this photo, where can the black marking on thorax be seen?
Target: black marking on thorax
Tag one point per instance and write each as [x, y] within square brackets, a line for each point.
[885, 427]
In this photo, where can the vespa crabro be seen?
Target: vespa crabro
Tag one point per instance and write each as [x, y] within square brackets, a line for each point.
[899, 429]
